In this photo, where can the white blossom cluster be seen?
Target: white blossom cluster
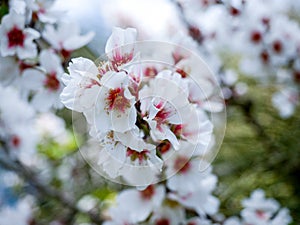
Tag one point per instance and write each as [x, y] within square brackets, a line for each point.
[157, 206]
[152, 121]
[141, 113]
[259, 210]
[264, 36]
[35, 42]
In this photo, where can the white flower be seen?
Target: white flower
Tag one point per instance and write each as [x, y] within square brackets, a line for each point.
[141, 203]
[45, 82]
[82, 85]
[129, 156]
[163, 103]
[282, 218]
[16, 125]
[198, 221]
[232, 221]
[15, 38]
[173, 215]
[200, 199]
[258, 209]
[66, 37]
[120, 46]
[9, 70]
[120, 215]
[285, 101]
[184, 170]
[43, 11]
[114, 109]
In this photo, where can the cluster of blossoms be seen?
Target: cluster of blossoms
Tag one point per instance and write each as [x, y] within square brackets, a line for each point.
[35, 42]
[142, 113]
[156, 206]
[261, 211]
[150, 112]
[149, 122]
[261, 33]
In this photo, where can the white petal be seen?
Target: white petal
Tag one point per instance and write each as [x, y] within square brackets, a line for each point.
[123, 121]
[51, 62]
[33, 79]
[76, 42]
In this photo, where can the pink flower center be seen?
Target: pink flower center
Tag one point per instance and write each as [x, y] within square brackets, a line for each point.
[141, 156]
[264, 56]
[162, 221]
[260, 214]
[65, 53]
[234, 11]
[161, 117]
[196, 33]
[177, 130]
[256, 37]
[191, 223]
[150, 72]
[182, 164]
[277, 46]
[23, 65]
[266, 21]
[148, 193]
[15, 37]
[51, 82]
[182, 73]
[116, 100]
[16, 141]
[120, 59]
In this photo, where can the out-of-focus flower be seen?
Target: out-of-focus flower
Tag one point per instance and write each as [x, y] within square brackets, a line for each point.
[16, 122]
[45, 81]
[66, 37]
[43, 11]
[140, 203]
[15, 38]
[285, 101]
[201, 199]
[9, 70]
[171, 215]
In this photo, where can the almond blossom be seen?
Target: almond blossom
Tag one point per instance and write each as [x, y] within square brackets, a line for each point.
[45, 81]
[140, 203]
[15, 38]
[119, 46]
[16, 123]
[66, 37]
[43, 11]
[131, 114]
[82, 85]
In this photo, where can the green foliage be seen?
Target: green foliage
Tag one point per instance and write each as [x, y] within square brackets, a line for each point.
[54, 150]
[248, 161]
[3, 8]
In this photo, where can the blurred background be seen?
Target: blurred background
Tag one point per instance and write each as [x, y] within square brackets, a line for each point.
[261, 147]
